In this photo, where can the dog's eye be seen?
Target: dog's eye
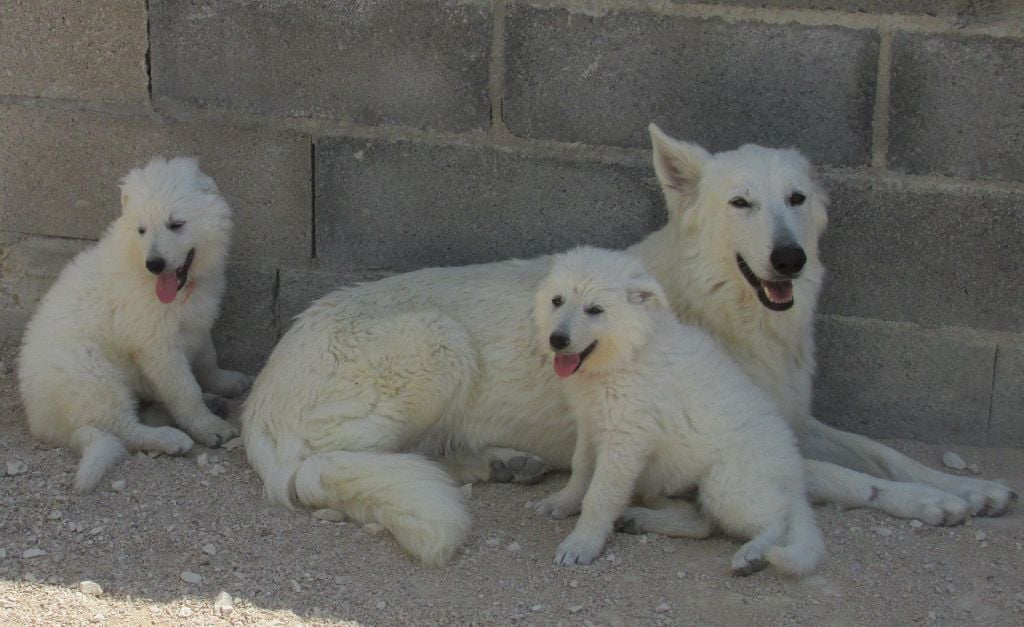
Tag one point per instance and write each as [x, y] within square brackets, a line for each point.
[796, 198]
[142, 230]
[557, 301]
[174, 225]
[740, 202]
[594, 310]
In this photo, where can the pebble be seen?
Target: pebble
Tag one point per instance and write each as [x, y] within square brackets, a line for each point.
[536, 608]
[885, 532]
[916, 524]
[209, 549]
[330, 515]
[95, 531]
[467, 490]
[574, 608]
[980, 535]
[610, 557]
[223, 604]
[681, 574]
[574, 584]
[118, 485]
[381, 605]
[190, 577]
[954, 461]
[973, 469]
[3, 554]
[16, 468]
[295, 586]
[56, 515]
[373, 528]
[661, 609]
[184, 612]
[201, 460]
[234, 443]
[514, 547]
[90, 587]
[669, 548]
[492, 541]
[32, 553]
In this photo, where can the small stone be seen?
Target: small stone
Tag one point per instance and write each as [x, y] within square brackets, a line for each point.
[32, 553]
[184, 612]
[118, 485]
[661, 609]
[3, 554]
[980, 535]
[974, 469]
[234, 443]
[467, 490]
[16, 468]
[190, 577]
[610, 557]
[681, 574]
[954, 461]
[202, 460]
[295, 586]
[91, 588]
[574, 584]
[373, 528]
[885, 532]
[95, 531]
[330, 515]
[536, 608]
[223, 604]
[574, 608]
[209, 549]
[669, 548]
[916, 524]
[381, 605]
[55, 515]
[492, 541]
[514, 547]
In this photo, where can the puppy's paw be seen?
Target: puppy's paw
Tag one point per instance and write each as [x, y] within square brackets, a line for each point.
[173, 441]
[985, 498]
[229, 383]
[524, 468]
[214, 432]
[558, 506]
[579, 548]
[748, 560]
[217, 404]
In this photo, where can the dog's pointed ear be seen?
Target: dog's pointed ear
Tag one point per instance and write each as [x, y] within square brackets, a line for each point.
[679, 166]
[645, 291]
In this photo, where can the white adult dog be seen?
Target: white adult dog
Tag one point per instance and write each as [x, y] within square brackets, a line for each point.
[129, 320]
[660, 409]
[444, 360]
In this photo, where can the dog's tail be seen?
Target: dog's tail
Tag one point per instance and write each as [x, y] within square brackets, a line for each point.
[99, 451]
[805, 547]
[410, 496]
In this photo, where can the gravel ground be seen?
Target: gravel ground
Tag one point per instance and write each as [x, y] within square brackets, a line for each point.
[164, 537]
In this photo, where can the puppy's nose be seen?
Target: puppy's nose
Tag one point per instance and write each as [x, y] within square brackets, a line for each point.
[156, 265]
[788, 260]
[558, 340]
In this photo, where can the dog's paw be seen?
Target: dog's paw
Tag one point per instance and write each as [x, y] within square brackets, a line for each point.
[558, 506]
[931, 506]
[631, 521]
[214, 432]
[219, 405]
[229, 383]
[523, 468]
[748, 560]
[579, 548]
[985, 498]
[171, 441]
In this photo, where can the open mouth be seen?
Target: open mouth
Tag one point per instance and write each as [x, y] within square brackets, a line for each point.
[775, 295]
[567, 364]
[170, 282]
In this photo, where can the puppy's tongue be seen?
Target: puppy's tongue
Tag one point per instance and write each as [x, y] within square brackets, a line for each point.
[779, 292]
[565, 365]
[167, 287]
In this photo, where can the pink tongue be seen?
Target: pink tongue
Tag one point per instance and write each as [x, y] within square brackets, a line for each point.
[781, 292]
[565, 365]
[167, 287]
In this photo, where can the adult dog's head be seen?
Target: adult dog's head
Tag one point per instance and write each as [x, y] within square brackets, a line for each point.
[175, 224]
[756, 212]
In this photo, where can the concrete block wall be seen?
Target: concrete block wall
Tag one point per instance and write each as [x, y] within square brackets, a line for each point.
[355, 139]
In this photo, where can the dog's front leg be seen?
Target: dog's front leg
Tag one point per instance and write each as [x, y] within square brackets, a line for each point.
[912, 490]
[619, 462]
[227, 383]
[170, 376]
[567, 501]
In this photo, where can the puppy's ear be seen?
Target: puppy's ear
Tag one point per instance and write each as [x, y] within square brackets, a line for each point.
[679, 166]
[644, 291]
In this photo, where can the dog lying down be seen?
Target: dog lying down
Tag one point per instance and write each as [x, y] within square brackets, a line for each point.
[660, 408]
[129, 320]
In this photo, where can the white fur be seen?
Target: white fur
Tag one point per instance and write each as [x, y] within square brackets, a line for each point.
[444, 360]
[660, 409]
[101, 340]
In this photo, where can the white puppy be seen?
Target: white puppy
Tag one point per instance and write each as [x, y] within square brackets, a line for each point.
[129, 320]
[660, 408]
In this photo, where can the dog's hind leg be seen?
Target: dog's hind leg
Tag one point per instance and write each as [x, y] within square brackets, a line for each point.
[166, 439]
[226, 383]
[494, 463]
[914, 488]
[668, 517]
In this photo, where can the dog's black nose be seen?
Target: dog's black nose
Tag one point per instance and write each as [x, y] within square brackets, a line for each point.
[788, 260]
[156, 265]
[558, 340]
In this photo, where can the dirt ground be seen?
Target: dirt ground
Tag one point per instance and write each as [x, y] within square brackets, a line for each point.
[157, 523]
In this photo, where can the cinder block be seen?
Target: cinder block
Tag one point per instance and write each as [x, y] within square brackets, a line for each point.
[602, 79]
[403, 205]
[245, 333]
[72, 49]
[299, 288]
[895, 381]
[60, 170]
[416, 63]
[29, 265]
[1008, 397]
[934, 258]
[941, 8]
[956, 106]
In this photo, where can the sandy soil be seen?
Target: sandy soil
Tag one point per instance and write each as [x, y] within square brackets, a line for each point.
[155, 519]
